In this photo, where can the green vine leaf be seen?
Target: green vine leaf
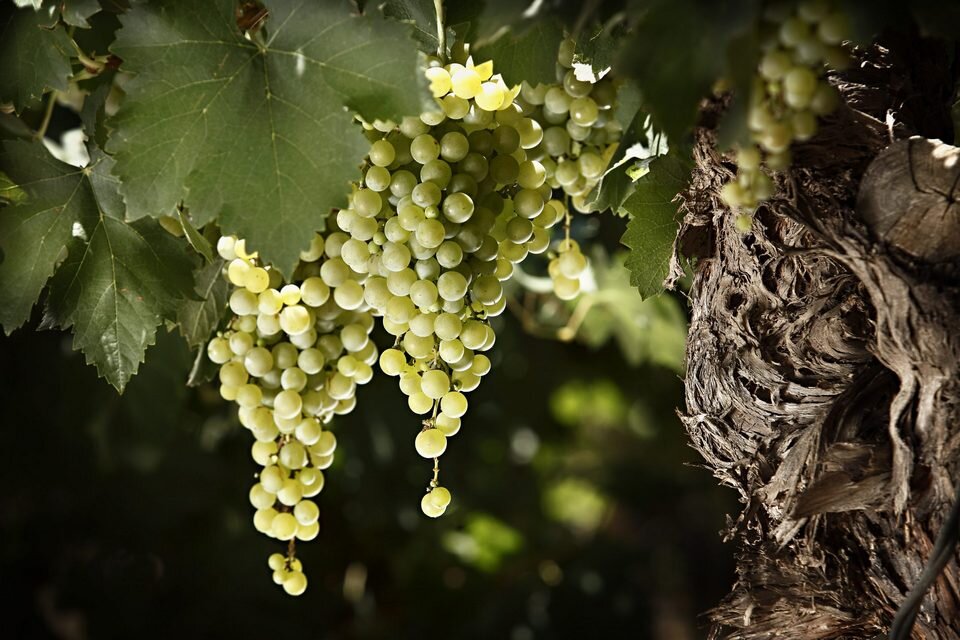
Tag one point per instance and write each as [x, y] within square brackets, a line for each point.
[422, 16]
[256, 132]
[53, 198]
[652, 229]
[199, 318]
[34, 57]
[73, 12]
[119, 282]
[112, 282]
[635, 152]
[525, 53]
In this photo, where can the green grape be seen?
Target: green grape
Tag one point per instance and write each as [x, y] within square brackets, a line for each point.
[430, 443]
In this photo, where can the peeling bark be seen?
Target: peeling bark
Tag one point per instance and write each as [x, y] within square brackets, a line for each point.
[824, 360]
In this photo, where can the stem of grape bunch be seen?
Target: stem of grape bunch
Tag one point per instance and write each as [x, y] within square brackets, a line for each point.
[441, 31]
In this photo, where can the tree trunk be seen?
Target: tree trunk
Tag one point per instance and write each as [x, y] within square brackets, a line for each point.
[823, 358]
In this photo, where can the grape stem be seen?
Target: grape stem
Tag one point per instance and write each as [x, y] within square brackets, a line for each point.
[47, 114]
[441, 31]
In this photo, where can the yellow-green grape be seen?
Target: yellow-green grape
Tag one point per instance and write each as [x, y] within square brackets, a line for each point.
[295, 583]
[440, 497]
[429, 508]
[431, 443]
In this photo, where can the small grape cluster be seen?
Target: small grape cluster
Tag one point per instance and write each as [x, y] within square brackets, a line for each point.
[291, 358]
[579, 139]
[790, 92]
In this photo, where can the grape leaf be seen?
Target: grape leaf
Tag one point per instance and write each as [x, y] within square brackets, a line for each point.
[653, 226]
[678, 50]
[525, 52]
[255, 132]
[115, 288]
[198, 318]
[485, 18]
[34, 57]
[113, 283]
[34, 233]
[651, 330]
[422, 15]
[598, 46]
[73, 12]
[638, 147]
[76, 12]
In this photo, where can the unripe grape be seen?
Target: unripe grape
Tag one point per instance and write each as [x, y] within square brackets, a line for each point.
[440, 497]
[284, 527]
[306, 512]
[430, 443]
[429, 509]
[453, 404]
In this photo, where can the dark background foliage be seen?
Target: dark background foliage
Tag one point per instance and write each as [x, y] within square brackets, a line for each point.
[577, 508]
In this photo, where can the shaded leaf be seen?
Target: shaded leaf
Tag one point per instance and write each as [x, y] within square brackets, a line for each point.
[654, 222]
[76, 12]
[599, 46]
[678, 50]
[199, 318]
[637, 148]
[527, 52]
[34, 234]
[422, 15]
[255, 133]
[116, 288]
[34, 57]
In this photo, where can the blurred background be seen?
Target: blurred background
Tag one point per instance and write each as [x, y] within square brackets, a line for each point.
[578, 506]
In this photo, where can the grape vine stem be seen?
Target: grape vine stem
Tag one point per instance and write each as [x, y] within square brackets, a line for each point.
[47, 115]
[441, 31]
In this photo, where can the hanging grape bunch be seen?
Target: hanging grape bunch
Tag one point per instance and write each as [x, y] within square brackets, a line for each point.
[790, 92]
[291, 358]
[579, 138]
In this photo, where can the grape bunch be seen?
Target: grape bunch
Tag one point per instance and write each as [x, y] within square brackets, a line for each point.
[790, 92]
[579, 138]
[449, 202]
[291, 358]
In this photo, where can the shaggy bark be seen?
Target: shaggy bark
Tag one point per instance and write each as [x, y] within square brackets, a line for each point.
[823, 359]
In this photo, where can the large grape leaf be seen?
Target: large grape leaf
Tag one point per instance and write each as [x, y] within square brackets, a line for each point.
[526, 52]
[255, 131]
[34, 57]
[654, 222]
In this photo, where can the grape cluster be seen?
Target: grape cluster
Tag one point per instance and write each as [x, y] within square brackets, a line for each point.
[579, 138]
[449, 202]
[292, 358]
[790, 91]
